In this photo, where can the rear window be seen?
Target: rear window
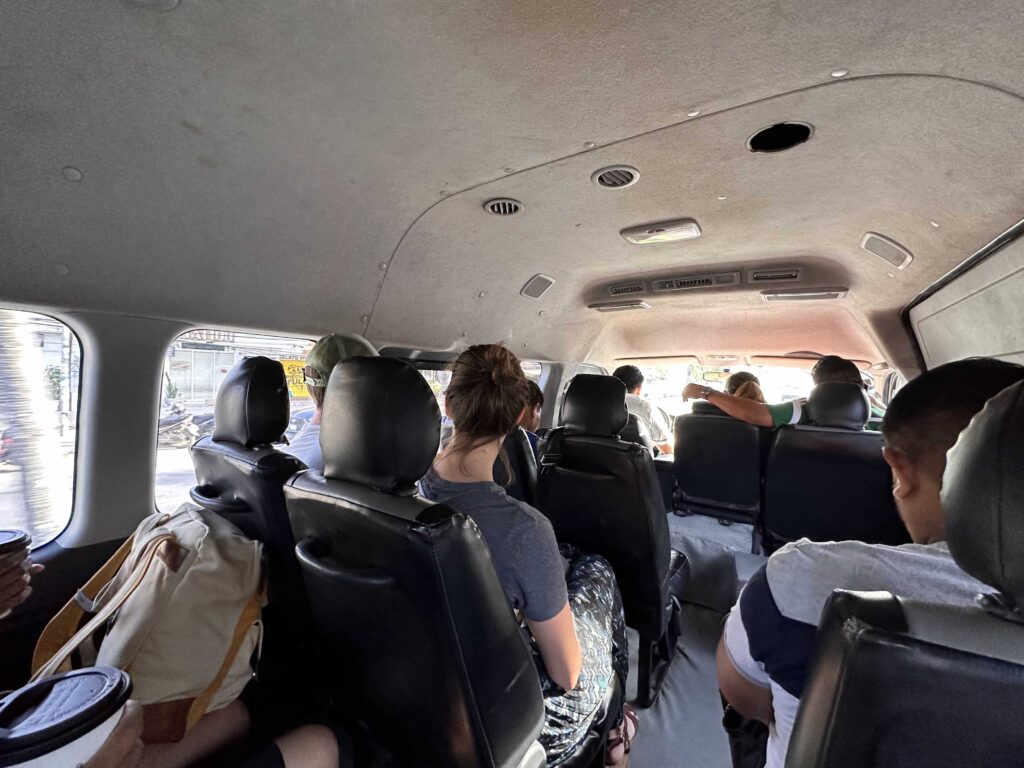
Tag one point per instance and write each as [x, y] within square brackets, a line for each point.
[196, 364]
[41, 359]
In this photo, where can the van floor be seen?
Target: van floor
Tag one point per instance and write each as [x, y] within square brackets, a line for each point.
[684, 728]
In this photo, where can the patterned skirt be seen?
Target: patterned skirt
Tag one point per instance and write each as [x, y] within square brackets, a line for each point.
[596, 607]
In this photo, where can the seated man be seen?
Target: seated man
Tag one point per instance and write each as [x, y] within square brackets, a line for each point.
[651, 416]
[530, 420]
[325, 354]
[828, 368]
[765, 651]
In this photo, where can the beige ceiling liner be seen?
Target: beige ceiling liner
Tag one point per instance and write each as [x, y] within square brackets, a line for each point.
[257, 165]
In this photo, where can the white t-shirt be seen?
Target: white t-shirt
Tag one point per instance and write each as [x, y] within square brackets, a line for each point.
[770, 632]
[305, 446]
[652, 417]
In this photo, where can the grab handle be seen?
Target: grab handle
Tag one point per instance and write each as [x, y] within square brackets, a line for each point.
[200, 494]
[373, 576]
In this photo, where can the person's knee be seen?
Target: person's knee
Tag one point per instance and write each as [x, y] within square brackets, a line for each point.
[310, 746]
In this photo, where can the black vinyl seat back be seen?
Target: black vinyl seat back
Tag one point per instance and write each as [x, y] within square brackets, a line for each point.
[602, 495]
[719, 464]
[241, 476]
[420, 638]
[901, 683]
[898, 684]
[522, 462]
[829, 481]
[636, 431]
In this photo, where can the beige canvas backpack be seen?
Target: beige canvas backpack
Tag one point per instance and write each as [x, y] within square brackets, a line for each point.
[180, 602]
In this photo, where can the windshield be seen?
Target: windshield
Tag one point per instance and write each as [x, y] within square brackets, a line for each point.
[664, 383]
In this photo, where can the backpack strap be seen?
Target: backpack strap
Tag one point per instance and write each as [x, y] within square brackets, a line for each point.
[62, 635]
[249, 616]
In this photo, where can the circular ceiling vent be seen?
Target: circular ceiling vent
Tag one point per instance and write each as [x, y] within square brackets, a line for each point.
[615, 177]
[780, 137]
[503, 206]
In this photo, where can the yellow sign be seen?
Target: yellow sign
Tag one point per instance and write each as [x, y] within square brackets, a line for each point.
[293, 372]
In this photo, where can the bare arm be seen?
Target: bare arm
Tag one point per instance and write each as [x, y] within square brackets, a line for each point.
[559, 647]
[747, 698]
[740, 408]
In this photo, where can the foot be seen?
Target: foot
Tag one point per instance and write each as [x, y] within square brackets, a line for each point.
[620, 739]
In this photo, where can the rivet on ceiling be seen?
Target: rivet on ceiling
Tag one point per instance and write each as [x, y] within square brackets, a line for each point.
[71, 173]
[383, 266]
[481, 294]
[364, 319]
[723, 197]
[541, 313]
[693, 112]
[589, 144]
[840, 72]
[934, 224]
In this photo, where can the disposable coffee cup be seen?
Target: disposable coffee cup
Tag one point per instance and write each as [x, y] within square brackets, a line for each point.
[11, 540]
[61, 720]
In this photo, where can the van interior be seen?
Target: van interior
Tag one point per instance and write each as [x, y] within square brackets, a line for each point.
[692, 188]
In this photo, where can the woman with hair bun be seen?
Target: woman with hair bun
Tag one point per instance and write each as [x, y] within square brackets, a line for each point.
[569, 602]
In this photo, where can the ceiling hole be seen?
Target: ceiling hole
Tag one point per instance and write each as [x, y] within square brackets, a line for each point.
[779, 137]
[503, 206]
[615, 177]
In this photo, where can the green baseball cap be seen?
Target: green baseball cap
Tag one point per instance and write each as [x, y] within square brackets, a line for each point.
[331, 350]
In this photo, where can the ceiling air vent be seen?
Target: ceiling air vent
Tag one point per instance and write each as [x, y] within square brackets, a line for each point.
[696, 281]
[624, 305]
[774, 275]
[801, 294]
[503, 206]
[615, 177]
[536, 286]
[627, 288]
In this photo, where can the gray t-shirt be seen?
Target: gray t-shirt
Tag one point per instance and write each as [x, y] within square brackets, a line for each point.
[521, 541]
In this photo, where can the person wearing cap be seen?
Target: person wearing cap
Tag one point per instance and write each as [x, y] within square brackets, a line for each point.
[325, 354]
[830, 368]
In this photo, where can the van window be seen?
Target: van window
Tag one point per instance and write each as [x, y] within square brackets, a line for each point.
[41, 359]
[196, 364]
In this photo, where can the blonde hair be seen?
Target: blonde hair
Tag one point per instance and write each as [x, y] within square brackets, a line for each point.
[750, 390]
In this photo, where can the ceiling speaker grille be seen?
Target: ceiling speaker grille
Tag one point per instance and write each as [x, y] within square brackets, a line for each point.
[616, 177]
[536, 286]
[503, 206]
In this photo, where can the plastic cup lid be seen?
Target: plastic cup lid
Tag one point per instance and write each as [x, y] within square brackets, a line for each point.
[12, 539]
[50, 713]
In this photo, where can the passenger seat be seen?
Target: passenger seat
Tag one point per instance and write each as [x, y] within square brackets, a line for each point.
[898, 682]
[240, 476]
[424, 649]
[828, 481]
[602, 495]
[719, 464]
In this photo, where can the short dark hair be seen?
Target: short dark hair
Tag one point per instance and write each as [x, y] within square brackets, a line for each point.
[534, 394]
[834, 368]
[927, 415]
[630, 376]
[738, 379]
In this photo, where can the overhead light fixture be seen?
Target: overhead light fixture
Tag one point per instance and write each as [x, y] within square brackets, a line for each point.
[619, 306]
[663, 232]
[804, 294]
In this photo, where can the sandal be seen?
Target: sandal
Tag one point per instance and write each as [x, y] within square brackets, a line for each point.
[620, 740]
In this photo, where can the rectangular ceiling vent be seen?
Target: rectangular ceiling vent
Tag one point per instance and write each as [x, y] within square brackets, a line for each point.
[696, 281]
[627, 288]
[800, 294]
[625, 305]
[789, 275]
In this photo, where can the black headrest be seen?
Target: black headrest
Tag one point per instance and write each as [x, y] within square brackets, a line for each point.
[704, 408]
[594, 405]
[252, 403]
[983, 495]
[380, 426]
[838, 404]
